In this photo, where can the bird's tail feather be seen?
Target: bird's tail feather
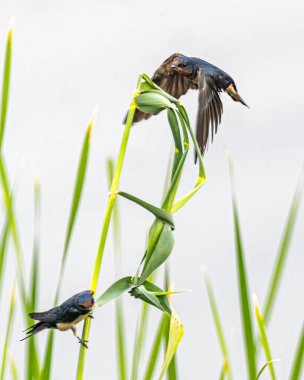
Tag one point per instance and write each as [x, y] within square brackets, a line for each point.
[234, 95]
[36, 328]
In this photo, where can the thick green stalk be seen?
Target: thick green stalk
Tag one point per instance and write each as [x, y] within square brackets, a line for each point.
[106, 223]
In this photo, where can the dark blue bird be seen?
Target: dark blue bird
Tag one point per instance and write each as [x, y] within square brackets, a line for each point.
[179, 73]
[65, 316]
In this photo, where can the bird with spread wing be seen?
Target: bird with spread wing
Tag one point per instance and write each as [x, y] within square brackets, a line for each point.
[178, 73]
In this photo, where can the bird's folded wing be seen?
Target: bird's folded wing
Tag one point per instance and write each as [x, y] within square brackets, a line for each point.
[46, 316]
[209, 111]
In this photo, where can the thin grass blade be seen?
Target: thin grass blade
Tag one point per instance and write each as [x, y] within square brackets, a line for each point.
[140, 335]
[121, 348]
[8, 332]
[13, 367]
[243, 286]
[176, 333]
[8, 201]
[298, 361]
[218, 326]
[159, 213]
[263, 338]
[3, 250]
[6, 82]
[155, 350]
[283, 251]
[32, 362]
[106, 222]
[77, 193]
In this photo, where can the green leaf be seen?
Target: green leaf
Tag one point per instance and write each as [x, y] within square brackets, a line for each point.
[264, 367]
[152, 294]
[159, 213]
[155, 350]
[159, 253]
[13, 367]
[119, 313]
[6, 83]
[106, 223]
[218, 326]
[263, 338]
[77, 193]
[173, 121]
[298, 360]
[243, 286]
[3, 249]
[114, 291]
[158, 89]
[32, 361]
[152, 102]
[8, 332]
[140, 335]
[176, 333]
[283, 251]
[201, 175]
[8, 201]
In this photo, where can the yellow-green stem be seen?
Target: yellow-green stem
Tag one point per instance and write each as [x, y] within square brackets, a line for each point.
[106, 223]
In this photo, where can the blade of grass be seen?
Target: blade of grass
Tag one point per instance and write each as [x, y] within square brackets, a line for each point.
[243, 285]
[218, 326]
[3, 173]
[154, 354]
[172, 368]
[8, 331]
[298, 360]
[280, 261]
[119, 313]
[6, 82]
[263, 337]
[264, 367]
[140, 335]
[77, 193]
[32, 362]
[13, 367]
[3, 250]
[176, 333]
[105, 224]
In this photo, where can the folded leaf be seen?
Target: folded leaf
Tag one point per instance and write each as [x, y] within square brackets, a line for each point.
[159, 254]
[152, 294]
[176, 333]
[152, 102]
[117, 289]
[159, 213]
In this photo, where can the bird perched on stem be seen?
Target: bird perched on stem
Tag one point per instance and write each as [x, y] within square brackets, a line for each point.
[65, 316]
[178, 73]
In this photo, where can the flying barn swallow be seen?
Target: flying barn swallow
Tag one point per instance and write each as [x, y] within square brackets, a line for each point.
[65, 316]
[178, 73]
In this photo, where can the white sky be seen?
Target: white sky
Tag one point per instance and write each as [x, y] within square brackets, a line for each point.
[72, 55]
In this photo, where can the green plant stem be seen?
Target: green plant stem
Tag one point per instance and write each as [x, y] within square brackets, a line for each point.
[106, 223]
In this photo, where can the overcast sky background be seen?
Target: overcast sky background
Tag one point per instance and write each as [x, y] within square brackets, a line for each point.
[69, 56]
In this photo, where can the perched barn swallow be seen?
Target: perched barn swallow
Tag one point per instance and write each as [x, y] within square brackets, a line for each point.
[65, 316]
[178, 73]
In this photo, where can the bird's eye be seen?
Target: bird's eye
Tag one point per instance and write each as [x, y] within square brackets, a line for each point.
[182, 65]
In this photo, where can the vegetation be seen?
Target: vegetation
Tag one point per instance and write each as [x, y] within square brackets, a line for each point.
[141, 285]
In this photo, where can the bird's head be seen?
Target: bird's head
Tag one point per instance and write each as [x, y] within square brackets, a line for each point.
[182, 65]
[85, 300]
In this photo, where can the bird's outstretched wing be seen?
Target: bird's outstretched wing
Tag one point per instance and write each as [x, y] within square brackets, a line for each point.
[170, 81]
[209, 111]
